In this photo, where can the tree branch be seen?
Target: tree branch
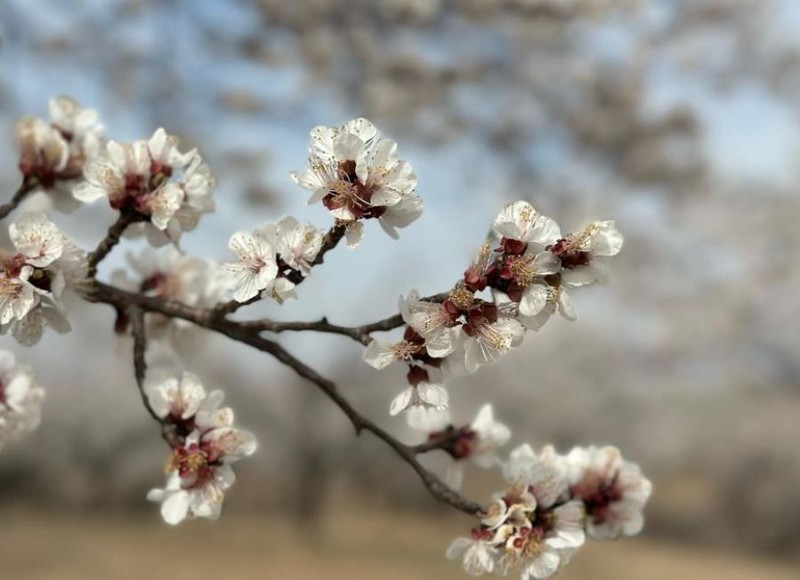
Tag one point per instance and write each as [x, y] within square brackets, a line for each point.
[207, 319]
[358, 333]
[112, 239]
[27, 186]
[139, 350]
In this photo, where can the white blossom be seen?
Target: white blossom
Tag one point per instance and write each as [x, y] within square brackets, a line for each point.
[172, 275]
[176, 398]
[43, 149]
[541, 302]
[33, 279]
[583, 255]
[421, 394]
[533, 525]
[357, 175]
[297, 244]
[527, 271]
[434, 322]
[614, 491]
[521, 222]
[199, 469]
[154, 179]
[478, 443]
[280, 290]
[54, 153]
[20, 399]
[257, 265]
[353, 233]
[490, 435]
[379, 354]
[477, 555]
[81, 126]
[487, 340]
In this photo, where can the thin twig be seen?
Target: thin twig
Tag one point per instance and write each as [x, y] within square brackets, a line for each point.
[112, 239]
[27, 186]
[139, 350]
[321, 325]
[358, 333]
[443, 441]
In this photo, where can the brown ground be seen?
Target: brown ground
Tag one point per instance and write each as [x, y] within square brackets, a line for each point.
[372, 547]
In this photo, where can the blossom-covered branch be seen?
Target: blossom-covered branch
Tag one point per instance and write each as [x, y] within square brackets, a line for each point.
[520, 278]
[240, 333]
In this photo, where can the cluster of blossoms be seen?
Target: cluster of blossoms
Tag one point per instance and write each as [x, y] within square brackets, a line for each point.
[204, 444]
[172, 275]
[526, 274]
[33, 278]
[20, 398]
[552, 503]
[357, 175]
[53, 154]
[270, 257]
[153, 181]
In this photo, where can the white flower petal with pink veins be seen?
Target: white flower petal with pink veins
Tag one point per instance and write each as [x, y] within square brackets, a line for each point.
[544, 566]
[424, 394]
[427, 419]
[542, 301]
[400, 215]
[297, 244]
[37, 238]
[29, 329]
[204, 501]
[42, 148]
[520, 221]
[256, 266]
[81, 123]
[491, 342]
[584, 254]
[380, 355]
[280, 290]
[211, 415]
[477, 556]
[176, 397]
[230, 443]
[17, 299]
[163, 149]
[163, 203]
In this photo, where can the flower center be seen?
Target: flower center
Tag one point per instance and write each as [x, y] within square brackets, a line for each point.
[189, 461]
[461, 298]
[521, 269]
[404, 350]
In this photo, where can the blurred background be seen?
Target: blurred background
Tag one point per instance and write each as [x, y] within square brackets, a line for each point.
[678, 118]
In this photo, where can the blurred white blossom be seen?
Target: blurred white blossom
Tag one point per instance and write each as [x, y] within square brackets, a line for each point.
[20, 399]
